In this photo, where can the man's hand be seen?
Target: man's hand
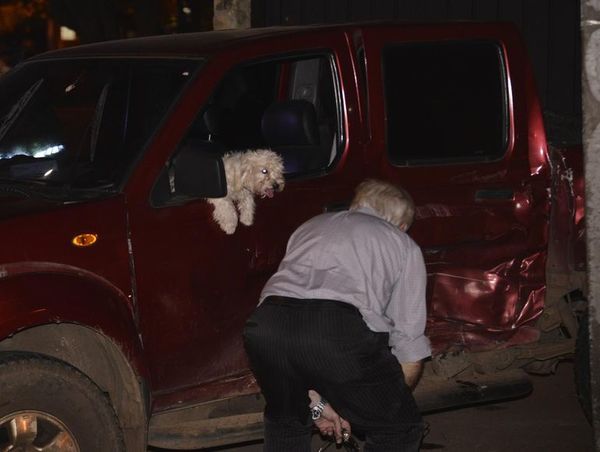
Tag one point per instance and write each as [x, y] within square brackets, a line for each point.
[412, 373]
[330, 423]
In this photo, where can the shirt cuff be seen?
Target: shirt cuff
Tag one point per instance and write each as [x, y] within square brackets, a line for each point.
[412, 351]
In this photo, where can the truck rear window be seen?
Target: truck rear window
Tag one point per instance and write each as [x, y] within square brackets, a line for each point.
[445, 102]
[81, 123]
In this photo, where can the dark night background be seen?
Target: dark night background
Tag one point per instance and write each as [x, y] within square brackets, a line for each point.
[550, 28]
[28, 27]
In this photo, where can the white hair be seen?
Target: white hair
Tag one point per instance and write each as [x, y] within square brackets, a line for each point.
[390, 201]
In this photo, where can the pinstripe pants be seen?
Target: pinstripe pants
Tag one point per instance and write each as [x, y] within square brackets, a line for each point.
[296, 345]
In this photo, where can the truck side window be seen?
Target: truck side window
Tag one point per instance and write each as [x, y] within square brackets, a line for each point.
[289, 105]
[445, 102]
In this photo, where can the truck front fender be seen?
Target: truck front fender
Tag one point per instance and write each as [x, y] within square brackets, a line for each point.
[38, 293]
[79, 318]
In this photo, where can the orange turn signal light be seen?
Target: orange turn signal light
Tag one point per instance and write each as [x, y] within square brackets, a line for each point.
[83, 240]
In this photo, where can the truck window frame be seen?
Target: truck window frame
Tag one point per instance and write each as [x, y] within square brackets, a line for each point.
[163, 193]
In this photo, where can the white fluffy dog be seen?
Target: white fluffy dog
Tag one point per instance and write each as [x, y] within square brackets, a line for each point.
[248, 174]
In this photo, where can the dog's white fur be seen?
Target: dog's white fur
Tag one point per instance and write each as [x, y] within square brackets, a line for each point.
[248, 173]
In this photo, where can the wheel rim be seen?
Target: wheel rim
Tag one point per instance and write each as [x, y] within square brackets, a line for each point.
[30, 431]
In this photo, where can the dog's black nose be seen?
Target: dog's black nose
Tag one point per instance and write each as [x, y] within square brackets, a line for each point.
[275, 186]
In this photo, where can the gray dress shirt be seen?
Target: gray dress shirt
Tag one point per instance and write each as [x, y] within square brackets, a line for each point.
[359, 258]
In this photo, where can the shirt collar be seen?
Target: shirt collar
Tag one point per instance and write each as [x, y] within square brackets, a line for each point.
[369, 211]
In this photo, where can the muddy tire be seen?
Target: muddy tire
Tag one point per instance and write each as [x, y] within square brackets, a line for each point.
[47, 405]
[582, 366]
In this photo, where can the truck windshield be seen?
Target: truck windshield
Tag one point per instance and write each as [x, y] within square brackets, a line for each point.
[81, 123]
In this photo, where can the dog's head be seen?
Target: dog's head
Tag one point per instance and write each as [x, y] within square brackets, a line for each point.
[264, 172]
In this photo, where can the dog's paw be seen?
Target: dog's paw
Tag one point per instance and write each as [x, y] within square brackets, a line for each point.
[247, 218]
[225, 215]
[228, 229]
[246, 208]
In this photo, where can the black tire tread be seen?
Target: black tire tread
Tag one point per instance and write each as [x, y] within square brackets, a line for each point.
[48, 376]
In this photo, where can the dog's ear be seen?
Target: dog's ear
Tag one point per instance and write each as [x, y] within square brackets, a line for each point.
[248, 165]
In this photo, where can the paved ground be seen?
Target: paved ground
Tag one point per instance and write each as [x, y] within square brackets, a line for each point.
[549, 420]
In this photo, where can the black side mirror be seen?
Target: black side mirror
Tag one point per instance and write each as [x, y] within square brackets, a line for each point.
[192, 173]
[198, 174]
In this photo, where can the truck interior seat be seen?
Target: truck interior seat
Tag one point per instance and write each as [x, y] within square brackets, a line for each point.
[290, 128]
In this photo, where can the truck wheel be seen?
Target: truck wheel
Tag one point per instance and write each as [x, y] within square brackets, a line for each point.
[47, 405]
[582, 365]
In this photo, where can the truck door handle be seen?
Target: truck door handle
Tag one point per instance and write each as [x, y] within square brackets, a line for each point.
[337, 206]
[495, 194]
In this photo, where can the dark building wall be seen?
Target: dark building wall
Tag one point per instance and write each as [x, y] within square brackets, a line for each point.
[550, 28]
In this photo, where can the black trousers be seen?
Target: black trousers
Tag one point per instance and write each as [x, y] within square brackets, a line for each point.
[296, 345]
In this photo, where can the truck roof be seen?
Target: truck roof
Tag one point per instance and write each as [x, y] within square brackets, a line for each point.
[202, 44]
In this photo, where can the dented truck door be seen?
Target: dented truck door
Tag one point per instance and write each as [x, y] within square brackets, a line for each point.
[461, 129]
[285, 96]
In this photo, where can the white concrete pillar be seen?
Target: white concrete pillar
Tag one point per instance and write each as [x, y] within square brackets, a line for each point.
[231, 14]
[590, 34]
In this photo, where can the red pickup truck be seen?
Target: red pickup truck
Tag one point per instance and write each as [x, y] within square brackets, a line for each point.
[123, 301]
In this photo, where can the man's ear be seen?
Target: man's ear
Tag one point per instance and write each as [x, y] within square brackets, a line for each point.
[403, 227]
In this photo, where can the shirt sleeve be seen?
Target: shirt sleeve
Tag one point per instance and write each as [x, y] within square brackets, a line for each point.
[407, 310]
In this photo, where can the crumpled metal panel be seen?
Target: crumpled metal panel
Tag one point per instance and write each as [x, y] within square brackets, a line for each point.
[568, 223]
[447, 335]
[490, 293]
[478, 309]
